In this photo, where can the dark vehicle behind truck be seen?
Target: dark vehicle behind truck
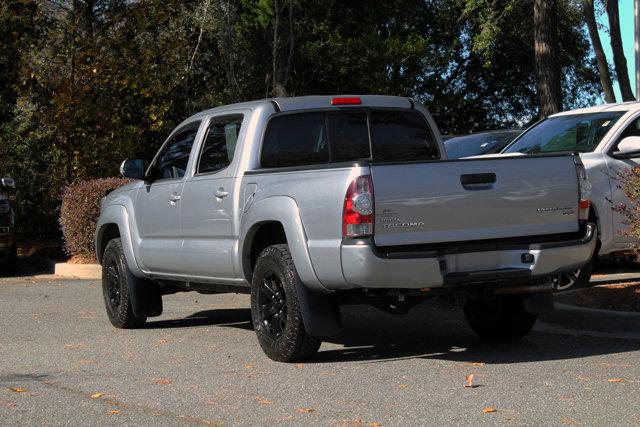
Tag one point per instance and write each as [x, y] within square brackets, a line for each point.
[8, 246]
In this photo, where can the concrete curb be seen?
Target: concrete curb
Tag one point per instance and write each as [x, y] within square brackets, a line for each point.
[582, 318]
[78, 271]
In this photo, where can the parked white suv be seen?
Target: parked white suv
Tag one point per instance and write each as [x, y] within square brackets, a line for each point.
[608, 140]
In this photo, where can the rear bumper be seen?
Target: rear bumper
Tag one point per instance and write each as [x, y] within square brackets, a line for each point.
[364, 267]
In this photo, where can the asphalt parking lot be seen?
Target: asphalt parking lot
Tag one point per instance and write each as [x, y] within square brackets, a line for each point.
[61, 362]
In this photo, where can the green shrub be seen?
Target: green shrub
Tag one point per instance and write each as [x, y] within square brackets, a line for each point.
[79, 213]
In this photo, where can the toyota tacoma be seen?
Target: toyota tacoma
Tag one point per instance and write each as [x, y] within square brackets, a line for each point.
[310, 203]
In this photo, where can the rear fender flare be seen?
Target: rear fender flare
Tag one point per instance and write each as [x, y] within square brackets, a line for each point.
[284, 210]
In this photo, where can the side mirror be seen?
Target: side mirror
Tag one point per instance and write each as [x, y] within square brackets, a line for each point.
[628, 148]
[7, 183]
[132, 168]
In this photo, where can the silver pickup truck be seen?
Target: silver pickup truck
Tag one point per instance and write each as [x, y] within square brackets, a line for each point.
[313, 202]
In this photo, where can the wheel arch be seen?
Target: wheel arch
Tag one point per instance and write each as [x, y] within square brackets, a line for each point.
[270, 220]
[114, 223]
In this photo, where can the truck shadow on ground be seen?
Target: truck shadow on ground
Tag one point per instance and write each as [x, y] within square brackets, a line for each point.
[433, 330]
[227, 317]
[437, 330]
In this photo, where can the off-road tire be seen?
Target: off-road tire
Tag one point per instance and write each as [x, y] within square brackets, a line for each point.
[116, 279]
[274, 270]
[503, 318]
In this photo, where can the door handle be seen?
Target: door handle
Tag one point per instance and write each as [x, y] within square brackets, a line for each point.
[174, 197]
[221, 193]
[478, 179]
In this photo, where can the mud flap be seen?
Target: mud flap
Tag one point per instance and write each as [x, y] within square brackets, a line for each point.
[146, 299]
[541, 303]
[320, 312]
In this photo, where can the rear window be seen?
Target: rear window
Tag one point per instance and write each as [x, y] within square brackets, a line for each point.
[401, 136]
[310, 138]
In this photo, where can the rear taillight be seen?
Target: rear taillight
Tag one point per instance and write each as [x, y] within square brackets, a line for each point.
[585, 190]
[357, 214]
[583, 210]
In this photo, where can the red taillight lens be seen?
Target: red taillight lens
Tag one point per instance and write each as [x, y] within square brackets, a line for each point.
[358, 213]
[346, 101]
[583, 209]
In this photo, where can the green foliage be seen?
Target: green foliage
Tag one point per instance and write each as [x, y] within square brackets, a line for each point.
[79, 213]
[89, 83]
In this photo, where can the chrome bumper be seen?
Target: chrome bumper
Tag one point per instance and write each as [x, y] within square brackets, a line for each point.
[364, 267]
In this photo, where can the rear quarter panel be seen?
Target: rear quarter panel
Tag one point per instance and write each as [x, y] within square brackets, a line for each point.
[319, 197]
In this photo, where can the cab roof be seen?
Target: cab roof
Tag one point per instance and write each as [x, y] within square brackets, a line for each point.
[312, 102]
[618, 106]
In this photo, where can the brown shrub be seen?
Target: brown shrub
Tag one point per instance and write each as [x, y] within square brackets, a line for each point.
[629, 183]
[79, 213]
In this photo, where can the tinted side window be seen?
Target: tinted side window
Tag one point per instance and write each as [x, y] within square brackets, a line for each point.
[295, 140]
[174, 156]
[632, 130]
[219, 144]
[401, 136]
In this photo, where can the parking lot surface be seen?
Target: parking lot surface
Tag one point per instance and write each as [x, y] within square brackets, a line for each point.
[199, 363]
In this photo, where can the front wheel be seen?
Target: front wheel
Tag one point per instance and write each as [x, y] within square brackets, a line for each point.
[576, 279]
[503, 318]
[115, 288]
[275, 308]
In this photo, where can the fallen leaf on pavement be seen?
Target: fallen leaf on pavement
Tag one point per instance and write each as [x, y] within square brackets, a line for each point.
[248, 366]
[469, 381]
[163, 381]
[17, 389]
[615, 380]
[305, 410]
[299, 365]
[374, 424]
[475, 363]
[403, 386]
[97, 395]
[569, 421]
[489, 410]
[114, 411]
[163, 341]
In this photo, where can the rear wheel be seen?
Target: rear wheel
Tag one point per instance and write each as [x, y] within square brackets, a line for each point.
[275, 308]
[115, 288]
[503, 318]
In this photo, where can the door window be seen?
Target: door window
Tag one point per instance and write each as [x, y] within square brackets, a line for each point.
[174, 156]
[632, 130]
[219, 144]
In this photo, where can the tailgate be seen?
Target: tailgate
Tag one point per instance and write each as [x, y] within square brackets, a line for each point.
[478, 199]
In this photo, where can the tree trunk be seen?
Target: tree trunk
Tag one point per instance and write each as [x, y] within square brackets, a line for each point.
[619, 60]
[546, 56]
[603, 67]
[281, 66]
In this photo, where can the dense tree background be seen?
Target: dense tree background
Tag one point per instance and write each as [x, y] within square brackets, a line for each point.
[89, 83]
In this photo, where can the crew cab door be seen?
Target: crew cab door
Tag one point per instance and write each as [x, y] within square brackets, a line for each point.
[157, 205]
[208, 199]
[619, 165]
